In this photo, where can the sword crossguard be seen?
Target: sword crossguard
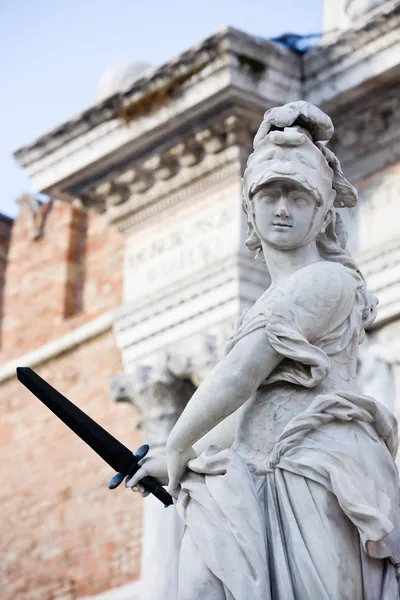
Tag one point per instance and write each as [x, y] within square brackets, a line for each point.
[149, 483]
[116, 481]
[142, 451]
[119, 477]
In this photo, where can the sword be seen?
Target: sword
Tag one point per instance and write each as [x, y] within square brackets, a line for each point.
[113, 452]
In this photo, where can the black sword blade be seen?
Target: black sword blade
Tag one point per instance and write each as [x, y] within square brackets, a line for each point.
[113, 452]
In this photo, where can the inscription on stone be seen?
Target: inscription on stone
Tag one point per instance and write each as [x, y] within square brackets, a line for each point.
[181, 251]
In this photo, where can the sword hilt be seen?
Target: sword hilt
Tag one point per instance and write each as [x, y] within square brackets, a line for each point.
[150, 484]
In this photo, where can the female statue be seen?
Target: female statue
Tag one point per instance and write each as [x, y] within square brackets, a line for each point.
[302, 500]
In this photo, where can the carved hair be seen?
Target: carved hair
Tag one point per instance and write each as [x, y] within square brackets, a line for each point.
[346, 194]
[331, 245]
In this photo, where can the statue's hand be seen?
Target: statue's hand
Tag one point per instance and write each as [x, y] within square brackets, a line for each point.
[156, 466]
[177, 463]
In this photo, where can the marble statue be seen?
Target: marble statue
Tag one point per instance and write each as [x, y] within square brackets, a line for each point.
[282, 471]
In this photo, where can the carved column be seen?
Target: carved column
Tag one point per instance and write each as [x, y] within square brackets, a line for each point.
[160, 396]
[375, 375]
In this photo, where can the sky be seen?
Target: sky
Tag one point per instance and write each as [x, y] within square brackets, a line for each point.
[54, 52]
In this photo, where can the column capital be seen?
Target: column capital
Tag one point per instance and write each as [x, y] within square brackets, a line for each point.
[161, 389]
[158, 394]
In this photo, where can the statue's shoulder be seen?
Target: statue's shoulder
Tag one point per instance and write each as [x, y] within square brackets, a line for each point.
[318, 280]
[321, 275]
[311, 299]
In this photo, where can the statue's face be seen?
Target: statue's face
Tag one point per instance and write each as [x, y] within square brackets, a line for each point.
[284, 213]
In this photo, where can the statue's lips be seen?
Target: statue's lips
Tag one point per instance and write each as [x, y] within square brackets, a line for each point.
[280, 224]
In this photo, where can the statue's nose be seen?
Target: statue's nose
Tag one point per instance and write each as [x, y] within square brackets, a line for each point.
[281, 211]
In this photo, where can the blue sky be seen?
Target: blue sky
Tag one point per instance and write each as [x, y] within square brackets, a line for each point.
[53, 53]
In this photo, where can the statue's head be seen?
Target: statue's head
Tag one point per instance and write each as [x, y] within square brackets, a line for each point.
[291, 186]
[292, 182]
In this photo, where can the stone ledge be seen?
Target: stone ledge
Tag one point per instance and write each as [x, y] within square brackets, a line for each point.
[191, 62]
[171, 318]
[58, 346]
[367, 132]
[325, 55]
[182, 291]
[222, 313]
[228, 66]
[125, 592]
[344, 68]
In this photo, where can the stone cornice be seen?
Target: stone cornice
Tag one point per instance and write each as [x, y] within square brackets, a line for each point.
[367, 133]
[228, 69]
[208, 174]
[177, 311]
[204, 158]
[348, 42]
[250, 52]
[139, 188]
[364, 53]
[105, 149]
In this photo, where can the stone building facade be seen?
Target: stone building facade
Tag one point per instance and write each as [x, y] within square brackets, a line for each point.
[122, 288]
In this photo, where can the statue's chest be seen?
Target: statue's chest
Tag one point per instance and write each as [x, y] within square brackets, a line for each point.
[264, 417]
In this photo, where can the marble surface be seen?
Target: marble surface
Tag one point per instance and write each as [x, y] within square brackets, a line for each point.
[283, 472]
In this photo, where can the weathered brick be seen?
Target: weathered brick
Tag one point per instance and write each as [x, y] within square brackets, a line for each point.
[74, 270]
[63, 534]
[60, 522]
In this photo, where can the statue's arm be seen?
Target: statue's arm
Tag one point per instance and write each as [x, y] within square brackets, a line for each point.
[210, 416]
[223, 435]
[228, 386]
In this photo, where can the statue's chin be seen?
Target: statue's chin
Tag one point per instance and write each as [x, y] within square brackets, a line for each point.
[285, 245]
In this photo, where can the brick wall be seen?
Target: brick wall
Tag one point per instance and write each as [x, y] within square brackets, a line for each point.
[63, 534]
[68, 276]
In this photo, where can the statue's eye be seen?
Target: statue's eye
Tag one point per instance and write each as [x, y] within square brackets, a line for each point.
[269, 196]
[299, 200]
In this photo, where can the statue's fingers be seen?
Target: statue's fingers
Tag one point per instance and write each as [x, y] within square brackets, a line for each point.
[142, 491]
[134, 480]
[173, 488]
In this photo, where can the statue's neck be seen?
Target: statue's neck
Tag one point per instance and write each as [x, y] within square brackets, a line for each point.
[283, 263]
